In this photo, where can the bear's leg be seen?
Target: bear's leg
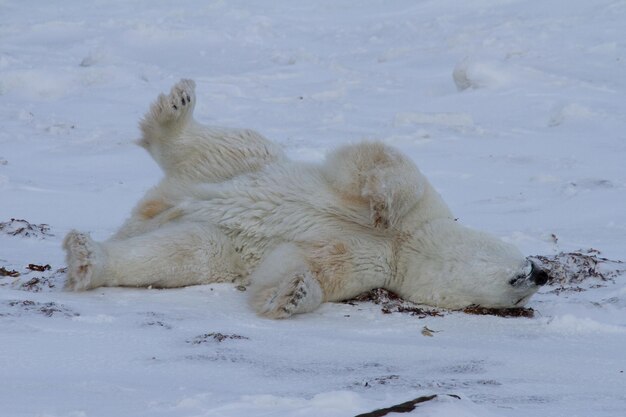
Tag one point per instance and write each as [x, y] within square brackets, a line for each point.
[176, 255]
[83, 257]
[189, 151]
[282, 285]
[295, 294]
[377, 178]
[154, 210]
[168, 117]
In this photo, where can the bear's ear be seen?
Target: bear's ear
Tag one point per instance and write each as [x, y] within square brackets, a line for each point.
[376, 177]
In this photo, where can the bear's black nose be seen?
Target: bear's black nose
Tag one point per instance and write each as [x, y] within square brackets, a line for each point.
[538, 275]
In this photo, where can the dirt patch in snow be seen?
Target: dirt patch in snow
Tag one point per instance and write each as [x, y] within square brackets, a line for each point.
[567, 268]
[392, 303]
[19, 307]
[20, 227]
[500, 312]
[406, 407]
[8, 272]
[215, 337]
[32, 278]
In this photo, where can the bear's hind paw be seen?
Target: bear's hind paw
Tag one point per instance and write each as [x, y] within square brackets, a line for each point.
[301, 294]
[82, 254]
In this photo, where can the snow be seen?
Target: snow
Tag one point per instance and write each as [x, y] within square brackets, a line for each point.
[514, 110]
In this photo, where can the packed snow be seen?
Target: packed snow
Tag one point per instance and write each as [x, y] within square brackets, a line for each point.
[515, 111]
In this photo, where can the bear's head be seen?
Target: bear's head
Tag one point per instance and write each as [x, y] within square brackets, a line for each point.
[445, 264]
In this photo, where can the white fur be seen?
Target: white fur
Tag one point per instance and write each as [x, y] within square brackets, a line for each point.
[232, 208]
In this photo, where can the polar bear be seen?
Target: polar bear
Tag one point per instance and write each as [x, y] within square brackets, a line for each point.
[233, 208]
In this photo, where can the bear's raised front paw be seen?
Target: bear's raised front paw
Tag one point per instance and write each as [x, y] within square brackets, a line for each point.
[82, 256]
[177, 105]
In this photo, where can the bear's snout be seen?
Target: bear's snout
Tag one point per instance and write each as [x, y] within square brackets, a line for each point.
[538, 275]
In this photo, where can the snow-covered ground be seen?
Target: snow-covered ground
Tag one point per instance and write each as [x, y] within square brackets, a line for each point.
[515, 110]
